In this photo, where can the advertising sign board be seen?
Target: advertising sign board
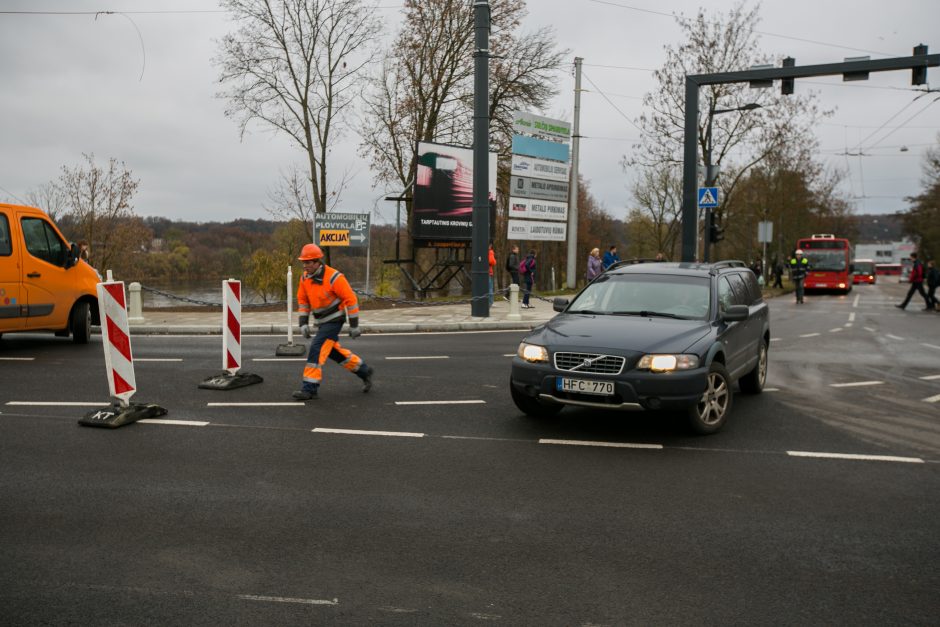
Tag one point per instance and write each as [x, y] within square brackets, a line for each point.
[541, 148]
[539, 168]
[525, 187]
[443, 192]
[537, 231]
[523, 122]
[341, 229]
[537, 209]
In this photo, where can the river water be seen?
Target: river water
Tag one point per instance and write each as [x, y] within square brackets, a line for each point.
[203, 291]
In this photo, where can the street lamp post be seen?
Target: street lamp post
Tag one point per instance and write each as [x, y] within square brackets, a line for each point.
[711, 171]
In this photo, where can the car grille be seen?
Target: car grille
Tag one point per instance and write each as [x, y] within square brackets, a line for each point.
[599, 364]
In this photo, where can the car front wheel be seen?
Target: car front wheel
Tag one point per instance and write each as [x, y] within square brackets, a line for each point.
[530, 406]
[80, 323]
[710, 413]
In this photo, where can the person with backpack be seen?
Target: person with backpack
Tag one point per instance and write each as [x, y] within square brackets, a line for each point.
[512, 264]
[933, 282]
[527, 270]
[917, 283]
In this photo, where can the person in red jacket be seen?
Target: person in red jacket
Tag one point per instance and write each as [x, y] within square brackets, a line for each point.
[326, 293]
[492, 261]
[917, 284]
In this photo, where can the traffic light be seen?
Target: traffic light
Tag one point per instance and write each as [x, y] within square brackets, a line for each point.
[919, 74]
[786, 84]
[716, 232]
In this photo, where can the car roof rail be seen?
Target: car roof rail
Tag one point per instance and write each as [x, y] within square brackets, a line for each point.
[728, 263]
[635, 260]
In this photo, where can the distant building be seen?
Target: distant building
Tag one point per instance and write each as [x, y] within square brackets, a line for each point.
[885, 252]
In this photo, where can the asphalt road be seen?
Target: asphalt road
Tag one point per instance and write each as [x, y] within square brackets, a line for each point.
[432, 501]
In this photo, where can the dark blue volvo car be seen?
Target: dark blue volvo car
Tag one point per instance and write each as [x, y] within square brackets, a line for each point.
[650, 336]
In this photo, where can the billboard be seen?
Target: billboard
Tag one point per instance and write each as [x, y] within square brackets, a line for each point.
[537, 231]
[443, 192]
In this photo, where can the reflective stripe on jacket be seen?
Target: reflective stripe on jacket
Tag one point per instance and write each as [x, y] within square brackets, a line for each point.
[329, 298]
[798, 270]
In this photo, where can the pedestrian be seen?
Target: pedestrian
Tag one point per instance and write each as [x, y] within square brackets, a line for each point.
[492, 261]
[917, 283]
[326, 293]
[758, 269]
[610, 257]
[778, 273]
[660, 256]
[933, 282]
[593, 264]
[512, 264]
[799, 266]
[527, 270]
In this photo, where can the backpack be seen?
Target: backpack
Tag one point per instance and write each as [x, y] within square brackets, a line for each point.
[525, 267]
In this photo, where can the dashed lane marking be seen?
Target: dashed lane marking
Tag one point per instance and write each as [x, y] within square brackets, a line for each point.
[394, 434]
[930, 345]
[158, 359]
[256, 597]
[604, 444]
[476, 402]
[776, 339]
[855, 301]
[869, 329]
[852, 317]
[17, 359]
[855, 384]
[59, 403]
[279, 359]
[932, 399]
[931, 377]
[871, 458]
[809, 335]
[420, 357]
[894, 337]
[771, 389]
[284, 404]
[180, 423]
[837, 330]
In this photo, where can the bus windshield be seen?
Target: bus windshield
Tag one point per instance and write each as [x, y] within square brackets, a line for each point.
[864, 267]
[826, 260]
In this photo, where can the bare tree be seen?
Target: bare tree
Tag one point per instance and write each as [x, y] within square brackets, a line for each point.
[49, 198]
[98, 209]
[295, 67]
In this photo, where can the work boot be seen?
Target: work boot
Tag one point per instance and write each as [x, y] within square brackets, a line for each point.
[367, 380]
[304, 395]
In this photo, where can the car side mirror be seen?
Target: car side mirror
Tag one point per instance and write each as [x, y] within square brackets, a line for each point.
[72, 257]
[735, 313]
[560, 303]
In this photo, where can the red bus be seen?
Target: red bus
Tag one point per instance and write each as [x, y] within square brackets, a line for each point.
[863, 271]
[829, 260]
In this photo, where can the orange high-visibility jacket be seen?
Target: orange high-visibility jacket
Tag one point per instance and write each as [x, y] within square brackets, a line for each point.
[330, 298]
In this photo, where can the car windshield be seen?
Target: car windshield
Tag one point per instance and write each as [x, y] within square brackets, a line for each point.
[665, 295]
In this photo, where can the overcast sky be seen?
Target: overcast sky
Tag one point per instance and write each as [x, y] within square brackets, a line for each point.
[74, 83]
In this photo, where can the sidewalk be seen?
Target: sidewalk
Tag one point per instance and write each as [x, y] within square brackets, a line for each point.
[429, 318]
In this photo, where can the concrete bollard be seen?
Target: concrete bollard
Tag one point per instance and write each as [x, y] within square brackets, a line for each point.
[514, 303]
[135, 306]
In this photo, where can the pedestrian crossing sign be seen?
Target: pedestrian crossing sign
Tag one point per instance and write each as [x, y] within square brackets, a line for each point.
[707, 197]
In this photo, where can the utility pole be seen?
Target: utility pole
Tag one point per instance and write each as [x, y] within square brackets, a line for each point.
[479, 249]
[572, 268]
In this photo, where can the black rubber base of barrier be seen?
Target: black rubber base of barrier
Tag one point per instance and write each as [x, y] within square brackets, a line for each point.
[115, 416]
[290, 350]
[226, 381]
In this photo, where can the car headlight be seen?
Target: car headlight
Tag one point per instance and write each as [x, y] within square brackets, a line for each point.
[532, 352]
[667, 363]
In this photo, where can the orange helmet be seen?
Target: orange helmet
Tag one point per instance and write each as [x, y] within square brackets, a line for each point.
[310, 252]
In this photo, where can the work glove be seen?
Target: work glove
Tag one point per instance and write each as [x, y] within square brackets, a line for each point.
[305, 331]
[354, 332]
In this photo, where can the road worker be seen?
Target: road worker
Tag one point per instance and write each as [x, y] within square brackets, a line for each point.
[799, 267]
[326, 293]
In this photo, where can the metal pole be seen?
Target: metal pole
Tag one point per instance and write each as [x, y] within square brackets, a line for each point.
[689, 166]
[572, 267]
[479, 265]
[709, 182]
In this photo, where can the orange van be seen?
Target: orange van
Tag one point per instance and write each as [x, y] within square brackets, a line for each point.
[44, 285]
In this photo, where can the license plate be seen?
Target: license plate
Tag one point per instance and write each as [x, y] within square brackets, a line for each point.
[583, 386]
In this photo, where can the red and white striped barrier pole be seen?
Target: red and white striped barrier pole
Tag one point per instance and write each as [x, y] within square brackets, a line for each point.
[231, 325]
[118, 357]
[231, 342]
[119, 361]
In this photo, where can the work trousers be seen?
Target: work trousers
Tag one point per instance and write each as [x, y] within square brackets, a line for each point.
[325, 344]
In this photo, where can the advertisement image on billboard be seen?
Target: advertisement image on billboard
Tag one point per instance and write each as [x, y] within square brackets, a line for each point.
[443, 192]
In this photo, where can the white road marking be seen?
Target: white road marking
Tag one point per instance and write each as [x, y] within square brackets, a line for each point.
[874, 458]
[771, 389]
[852, 317]
[180, 423]
[279, 359]
[477, 402]
[59, 403]
[776, 339]
[17, 358]
[838, 330]
[847, 325]
[894, 337]
[398, 434]
[255, 597]
[605, 444]
[930, 345]
[158, 359]
[810, 335]
[514, 354]
[932, 399]
[855, 301]
[854, 384]
[285, 404]
[869, 329]
[422, 357]
[931, 377]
